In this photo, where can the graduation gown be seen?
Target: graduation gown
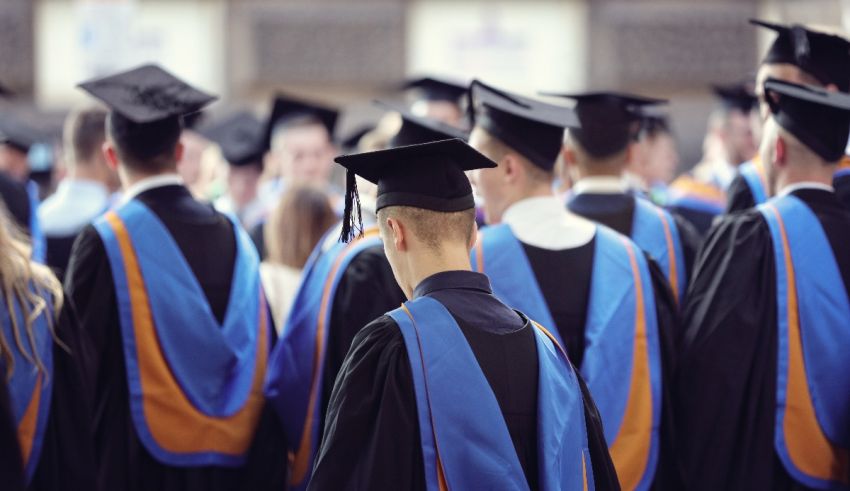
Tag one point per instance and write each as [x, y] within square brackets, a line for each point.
[371, 437]
[726, 382]
[841, 183]
[124, 462]
[739, 196]
[17, 201]
[11, 466]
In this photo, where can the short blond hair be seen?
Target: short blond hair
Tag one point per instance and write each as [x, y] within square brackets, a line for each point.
[434, 228]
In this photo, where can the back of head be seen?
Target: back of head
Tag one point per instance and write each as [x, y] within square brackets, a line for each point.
[84, 134]
[434, 229]
[145, 147]
[296, 225]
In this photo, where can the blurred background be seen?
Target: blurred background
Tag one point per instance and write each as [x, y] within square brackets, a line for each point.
[346, 52]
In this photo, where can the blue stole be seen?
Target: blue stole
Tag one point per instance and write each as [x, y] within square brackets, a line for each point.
[296, 368]
[655, 231]
[622, 361]
[39, 244]
[452, 394]
[29, 388]
[812, 433]
[195, 386]
[756, 180]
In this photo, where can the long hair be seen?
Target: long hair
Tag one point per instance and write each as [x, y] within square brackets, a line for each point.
[28, 288]
[296, 225]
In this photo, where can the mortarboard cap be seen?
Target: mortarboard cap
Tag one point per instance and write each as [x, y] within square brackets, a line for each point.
[608, 120]
[240, 137]
[824, 56]
[428, 175]
[820, 119]
[16, 133]
[533, 128]
[147, 94]
[653, 120]
[286, 108]
[417, 129]
[738, 96]
[437, 89]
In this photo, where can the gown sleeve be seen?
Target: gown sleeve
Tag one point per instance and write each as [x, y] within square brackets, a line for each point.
[371, 435]
[728, 354]
[691, 241]
[604, 473]
[11, 467]
[738, 196]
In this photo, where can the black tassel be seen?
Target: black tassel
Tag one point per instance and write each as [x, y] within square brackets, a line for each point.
[352, 218]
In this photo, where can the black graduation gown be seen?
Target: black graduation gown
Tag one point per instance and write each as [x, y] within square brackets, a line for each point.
[842, 189]
[569, 312]
[124, 463]
[371, 438]
[16, 198]
[11, 467]
[726, 382]
[617, 211]
[738, 196]
[59, 253]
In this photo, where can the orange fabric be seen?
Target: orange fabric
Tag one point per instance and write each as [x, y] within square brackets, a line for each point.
[175, 424]
[300, 461]
[844, 163]
[583, 472]
[29, 422]
[688, 185]
[809, 449]
[630, 449]
[672, 277]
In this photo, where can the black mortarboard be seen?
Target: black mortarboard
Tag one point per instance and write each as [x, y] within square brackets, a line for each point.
[16, 133]
[429, 176]
[653, 120]
[240, 137]
[533, 128]
[417, 129]
[147, 94]
[608, 120]
[286, 108]
[437, 89]
[738, 96]
[820, 119]
[824, 56]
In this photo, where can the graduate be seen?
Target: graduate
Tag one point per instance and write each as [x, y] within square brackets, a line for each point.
[46, 398]
[799, 55]
[85, 191]
[169, 291]
[454, 390]
[600, 151]
[437, 98]
[656, 157]
[607, 302]
[344, 287]
[762, 396]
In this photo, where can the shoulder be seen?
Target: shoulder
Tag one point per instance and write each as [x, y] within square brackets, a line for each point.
[376, 348]
[736, 231]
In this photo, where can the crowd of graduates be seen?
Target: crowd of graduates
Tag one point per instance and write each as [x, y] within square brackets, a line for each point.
[482, 289]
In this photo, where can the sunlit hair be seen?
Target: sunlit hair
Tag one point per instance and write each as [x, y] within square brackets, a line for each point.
[27, 288]
[296, 225]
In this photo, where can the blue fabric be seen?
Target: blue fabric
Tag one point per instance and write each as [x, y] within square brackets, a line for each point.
[25, 376]
[452, 393]
[290, 371]
[841, 172]
[39, 244]
[212, 363]
[695, 204]
[824, 311]
[648, 233]
[507, 266]
[751, 176]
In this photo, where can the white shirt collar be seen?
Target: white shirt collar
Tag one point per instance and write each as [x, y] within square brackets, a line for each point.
[148, 183]
[544, 222]
[600, 185]
[75, 203]
[805, 185]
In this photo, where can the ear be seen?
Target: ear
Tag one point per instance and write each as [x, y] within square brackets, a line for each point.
[512, 168]
[780, 152]
[569, 156]
[473, 238]
[179, 149]
[110, 155]
[398, 234]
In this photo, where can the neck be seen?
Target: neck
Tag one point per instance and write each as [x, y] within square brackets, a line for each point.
[129, 178]
[600, 170]
[542, 190]
[86, 171]
[421, 266]
[817, 173]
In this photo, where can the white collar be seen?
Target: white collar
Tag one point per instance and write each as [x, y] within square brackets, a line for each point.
[148, 183]
[544, 222]
[805, 185]
[600, 185]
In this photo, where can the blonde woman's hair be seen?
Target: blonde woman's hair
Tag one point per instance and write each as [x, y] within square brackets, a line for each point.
[28, 288]
[297, 224]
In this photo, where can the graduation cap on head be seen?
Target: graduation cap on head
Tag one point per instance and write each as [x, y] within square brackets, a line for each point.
[286, 109]
[608, 120]
[820, 119]
[824, 56]
[533, 128]
[240, 137]
[147, 94]
[738, 96]
[16, 133]
[428, 176]
[417, 129]
[437, 89]
[653, 120]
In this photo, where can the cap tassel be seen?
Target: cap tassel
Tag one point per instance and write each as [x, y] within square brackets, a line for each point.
[350, 228]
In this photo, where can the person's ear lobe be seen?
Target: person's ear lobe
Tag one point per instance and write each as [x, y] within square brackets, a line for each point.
[110, 156]
[398, 237]
[178, 151]
[513, 170]
[780, 152]
[569, 156]
[473, 238]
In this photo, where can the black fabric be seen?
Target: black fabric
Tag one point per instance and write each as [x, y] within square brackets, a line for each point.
[616, 211]
[739, 197]
[436, 89]
[240, 136]
[207, 241]
[842, 189]
[16, 199]
[417, 129]
[59, 253]
[287, 109]
[371, 436]
[700, 220]
[726, 382]
[738, 96]
[11, 466]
